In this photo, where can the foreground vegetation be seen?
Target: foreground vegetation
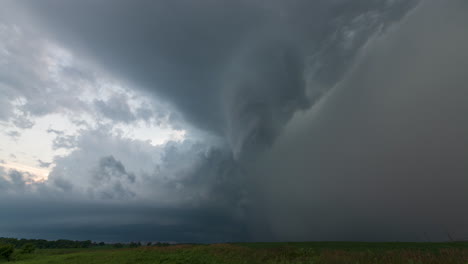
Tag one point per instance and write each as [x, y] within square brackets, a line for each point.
[314, 252]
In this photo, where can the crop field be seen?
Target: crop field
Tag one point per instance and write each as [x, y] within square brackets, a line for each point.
[307, 252]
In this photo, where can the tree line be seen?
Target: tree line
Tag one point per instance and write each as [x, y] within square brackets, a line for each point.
[42, 243]
[64, 243]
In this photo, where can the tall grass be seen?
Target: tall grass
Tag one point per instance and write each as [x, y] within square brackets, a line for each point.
[316, 253]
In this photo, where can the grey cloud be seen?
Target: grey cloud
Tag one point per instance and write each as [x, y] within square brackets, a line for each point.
[333, 121]
[382, 157]
[202, 176]
[116, 108]
[13, 134]
[64, 142]
[109, 168]
[111, 180]
[115, 222]
[189, 61]
[13, 181]
[63, 184]
[191, 173]
[24, 77]
[144, 113]
[17, 179]
[160, 115]
[22, 121]
[38, 77]
[44, 164]
[265, 88]
[61, 140]
[180, 191]
[4, 183]
[54, 131]
[5, 108]
[93, 145]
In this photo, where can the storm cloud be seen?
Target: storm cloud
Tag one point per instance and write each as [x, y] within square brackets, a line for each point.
[205, 55]
[302, 120]
[382, 157]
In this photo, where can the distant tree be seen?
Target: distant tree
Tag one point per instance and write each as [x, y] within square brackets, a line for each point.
[149, 244]
[118, 245]
[134, 244]
[86, 244]
[28, 248]
[6, 250]
[41, 243]
[159, 244]
[101, 244]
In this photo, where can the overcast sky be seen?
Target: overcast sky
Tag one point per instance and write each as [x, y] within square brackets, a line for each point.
[246, 120]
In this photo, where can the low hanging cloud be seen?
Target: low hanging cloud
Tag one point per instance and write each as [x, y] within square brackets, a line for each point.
[181, 191]
[173, 173]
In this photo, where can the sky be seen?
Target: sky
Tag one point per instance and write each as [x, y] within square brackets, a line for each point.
[248, 120]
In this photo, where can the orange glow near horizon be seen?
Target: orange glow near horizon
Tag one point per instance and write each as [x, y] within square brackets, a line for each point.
[38, 174]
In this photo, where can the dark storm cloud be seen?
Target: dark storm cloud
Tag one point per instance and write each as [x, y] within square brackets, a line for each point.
[185, 191]
[191, 194]
[383, 156]
[55, 219]
[251, 56]
[340, 124]
[264, 88]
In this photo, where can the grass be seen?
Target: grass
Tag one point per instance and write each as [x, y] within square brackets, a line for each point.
[313, 252]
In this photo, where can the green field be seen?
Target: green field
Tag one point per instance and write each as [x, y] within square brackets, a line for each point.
[310, 252]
